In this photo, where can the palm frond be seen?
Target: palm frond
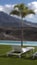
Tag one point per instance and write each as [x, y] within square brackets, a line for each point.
[22, 9]
[15, 12]
[31, 12]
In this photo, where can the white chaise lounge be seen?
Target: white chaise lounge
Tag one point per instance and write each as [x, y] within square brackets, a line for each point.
[18, 50]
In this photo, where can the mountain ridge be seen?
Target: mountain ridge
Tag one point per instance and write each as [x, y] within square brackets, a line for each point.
[9, 21]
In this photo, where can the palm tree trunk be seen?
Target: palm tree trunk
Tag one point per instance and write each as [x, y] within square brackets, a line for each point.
[22, 33]
[21, 36]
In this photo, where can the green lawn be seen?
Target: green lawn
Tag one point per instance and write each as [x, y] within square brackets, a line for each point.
[13, 60]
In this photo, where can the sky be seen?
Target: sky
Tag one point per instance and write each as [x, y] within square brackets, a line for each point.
[8, 5]
[3, 2]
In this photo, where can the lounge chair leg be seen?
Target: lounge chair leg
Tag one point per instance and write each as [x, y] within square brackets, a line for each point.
[19, 56]
[33, 57]
[7, 55]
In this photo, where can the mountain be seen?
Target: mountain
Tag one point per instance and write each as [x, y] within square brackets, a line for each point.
[7, 32]
[10, 21]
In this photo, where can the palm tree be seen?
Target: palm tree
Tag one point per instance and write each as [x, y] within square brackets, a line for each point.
[22, 10]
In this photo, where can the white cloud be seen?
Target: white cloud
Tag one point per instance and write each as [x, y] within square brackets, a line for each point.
[1, 8]
[6, 8]
[33, 6]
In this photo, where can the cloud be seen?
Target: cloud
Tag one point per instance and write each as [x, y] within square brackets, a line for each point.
[33, 6]
[1, 8]
[6, 8]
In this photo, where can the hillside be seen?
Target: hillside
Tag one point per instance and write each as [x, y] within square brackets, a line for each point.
[29, 34]
[10, 28]
[10, 21]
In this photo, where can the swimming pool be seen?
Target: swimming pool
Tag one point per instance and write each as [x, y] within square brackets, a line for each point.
[10, 42]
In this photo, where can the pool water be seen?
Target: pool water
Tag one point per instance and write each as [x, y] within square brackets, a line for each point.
[10, 42]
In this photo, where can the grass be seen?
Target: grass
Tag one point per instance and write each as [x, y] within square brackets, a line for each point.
[13, 60]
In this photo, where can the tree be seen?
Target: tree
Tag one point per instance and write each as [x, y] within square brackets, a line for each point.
[22, 10]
